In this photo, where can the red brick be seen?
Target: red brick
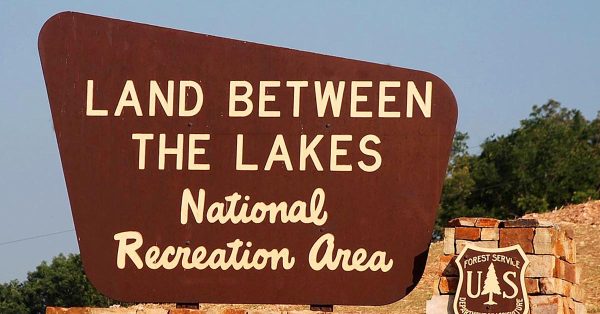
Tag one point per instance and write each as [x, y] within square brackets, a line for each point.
[448, 285]
[520, 236]
[487, 222]
[465, 233]
[565, 247]
[447, 266]
[532, 285]
[565, 270]
[54, 310]
[233, 311]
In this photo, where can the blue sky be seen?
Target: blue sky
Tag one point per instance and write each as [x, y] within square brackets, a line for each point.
[499, 58]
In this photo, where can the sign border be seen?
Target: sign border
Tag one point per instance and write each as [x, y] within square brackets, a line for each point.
[491, 250]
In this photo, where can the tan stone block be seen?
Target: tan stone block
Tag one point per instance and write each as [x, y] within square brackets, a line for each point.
[580, 308]
[545, 223]
[532, 285]
[550, 286]
[460, 244]
[439, 304]
[569, 306]
[565, 247]
[559, 243]
[578, 272]
[447, 266]
[462, 222]
[569, 231]
[153, 311]
[436, 286]
[186, 311]
[490, 234]
[577, 293]
[543, 240]
[449, 241]
[540, 266]
[555, 286]
[520, 236]
[570, 251]
[487, 223]
[118, 310]
[467, 233]
[546, 304]
[448, 285]
[574, 307]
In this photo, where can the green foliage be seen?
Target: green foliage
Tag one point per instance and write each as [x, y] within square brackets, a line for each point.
[60, 283]
[458, 184]
[12, 300]
[552, 159]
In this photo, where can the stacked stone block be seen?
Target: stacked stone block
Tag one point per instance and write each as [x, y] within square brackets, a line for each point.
[551, 279]
[134, 310]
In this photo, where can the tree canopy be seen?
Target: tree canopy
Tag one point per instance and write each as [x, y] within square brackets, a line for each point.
[60, 283]
[551, 160]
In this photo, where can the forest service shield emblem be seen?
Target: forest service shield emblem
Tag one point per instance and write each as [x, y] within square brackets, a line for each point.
[491, 281]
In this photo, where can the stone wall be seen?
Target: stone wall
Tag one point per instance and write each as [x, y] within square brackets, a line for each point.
[552, 277]
[145, 310]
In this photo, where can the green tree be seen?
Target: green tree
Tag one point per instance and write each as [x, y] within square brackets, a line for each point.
[458, 184]
[60, 283]
[552, 159]
[12, 300]
[549, 161]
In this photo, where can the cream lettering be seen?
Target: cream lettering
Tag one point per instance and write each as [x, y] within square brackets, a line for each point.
[235, 211]
[349, 261]
[200, 258]
[129, 102]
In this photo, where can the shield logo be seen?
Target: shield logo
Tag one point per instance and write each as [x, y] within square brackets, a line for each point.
[491, 281]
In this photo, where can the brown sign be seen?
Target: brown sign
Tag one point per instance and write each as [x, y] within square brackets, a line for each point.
[204, 169]
[491, 281]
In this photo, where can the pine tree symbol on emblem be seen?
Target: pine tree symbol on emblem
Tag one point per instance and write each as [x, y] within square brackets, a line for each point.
[491, 285]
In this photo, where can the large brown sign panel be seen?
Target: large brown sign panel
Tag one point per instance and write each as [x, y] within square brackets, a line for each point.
[204, 169]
